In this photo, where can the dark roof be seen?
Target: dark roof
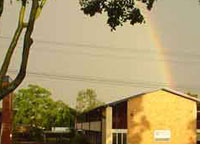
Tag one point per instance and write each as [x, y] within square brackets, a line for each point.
[143, 93]
[163, 89]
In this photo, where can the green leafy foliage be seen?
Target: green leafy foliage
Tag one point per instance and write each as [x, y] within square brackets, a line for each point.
[195, 96]
[34, 107]
[118, 11]
[87, 100]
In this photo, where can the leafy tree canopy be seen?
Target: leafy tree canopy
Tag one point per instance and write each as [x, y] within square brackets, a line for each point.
[118, 11]
[192, 94]
[87, 100]
[34, 107]
[195, 96]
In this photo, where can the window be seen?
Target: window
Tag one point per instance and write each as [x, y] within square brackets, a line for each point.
[119, 136]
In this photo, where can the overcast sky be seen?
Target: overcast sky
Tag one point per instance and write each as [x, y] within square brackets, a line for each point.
[72, 52]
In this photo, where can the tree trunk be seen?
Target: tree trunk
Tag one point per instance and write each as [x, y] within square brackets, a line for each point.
[1, 7]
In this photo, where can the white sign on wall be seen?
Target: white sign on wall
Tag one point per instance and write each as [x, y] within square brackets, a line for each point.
[162, 135]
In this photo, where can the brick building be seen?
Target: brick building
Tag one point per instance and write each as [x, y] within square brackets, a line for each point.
[158, 116]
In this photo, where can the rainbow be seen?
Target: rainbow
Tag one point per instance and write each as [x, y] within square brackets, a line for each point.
[164, 65]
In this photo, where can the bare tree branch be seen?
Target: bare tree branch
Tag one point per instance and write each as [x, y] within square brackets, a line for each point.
[13, 43]
[25, 55]
[41, 5]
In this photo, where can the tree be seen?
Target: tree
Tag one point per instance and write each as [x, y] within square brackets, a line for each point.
[192, 94]
[87, 100]
[63, 115]
[118, 11]
[195, 96]
[35, 108]
[36, 7]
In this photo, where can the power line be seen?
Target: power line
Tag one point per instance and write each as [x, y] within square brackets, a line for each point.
[101, 80]
[118, 57]
[109, 55]
[135, 57]
[108, 48]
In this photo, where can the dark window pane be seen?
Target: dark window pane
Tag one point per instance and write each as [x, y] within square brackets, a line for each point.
[119, 138]
[119, 116]
[124, 138]
[99, 138]
[114, 138]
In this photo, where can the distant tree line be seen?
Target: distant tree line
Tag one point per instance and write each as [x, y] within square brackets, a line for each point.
[87, 100]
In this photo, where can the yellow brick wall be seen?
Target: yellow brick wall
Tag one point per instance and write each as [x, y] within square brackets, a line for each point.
[161, 110]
